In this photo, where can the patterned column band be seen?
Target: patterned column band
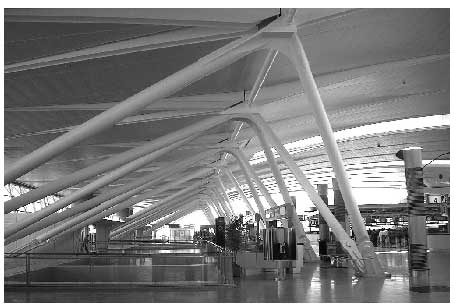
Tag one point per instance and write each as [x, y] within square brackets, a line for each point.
[418, 259]
[415, 188]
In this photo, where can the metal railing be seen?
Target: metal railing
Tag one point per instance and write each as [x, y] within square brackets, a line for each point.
[31, 269]
[225, 259]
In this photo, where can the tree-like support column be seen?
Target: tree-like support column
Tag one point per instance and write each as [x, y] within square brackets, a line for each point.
[165, 207]
[255, 196]
[186, 209]
[218, 205]
[175, 216]
[309, 253]
[220, 195]
[213, 206]
[206, 210]
[162, 144]
[107, 208]
[167, 86]
[169, 202]
[222, 205]
[127, 190]
[224, 193]
[417, 233]
[348, 244]
[340, 212]
[238, 188]
[310, 88]
[322, 226]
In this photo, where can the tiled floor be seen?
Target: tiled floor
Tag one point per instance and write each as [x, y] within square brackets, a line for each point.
[314, 284]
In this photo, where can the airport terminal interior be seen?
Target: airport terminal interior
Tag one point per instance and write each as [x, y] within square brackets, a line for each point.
[248, 155]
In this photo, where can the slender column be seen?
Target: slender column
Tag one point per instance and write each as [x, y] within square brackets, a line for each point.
[48, 221]
[128, 190]
[261, 76]
[339, 211]
[206, 210]
[155, 212]
[309, 254]
[163, 188]
[183, 211]
[222, 204]
[311, 90]
[106, 165]
[226, 205]
[417, 233]
[273, 166]
[248, 169]
[215, 202]
[102, 181]
[224, 193]
[348, 244]
[157, 206]
[89, 217]
[211, 206]
[254, 193]
[158, 212]
[322, 226]
[167, 86]
[113, 204]
[174, 217]
[238, 188]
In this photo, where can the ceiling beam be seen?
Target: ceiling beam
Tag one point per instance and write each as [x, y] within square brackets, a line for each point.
[112, 16]
[155, 41]
[158, 116]
[280, 92]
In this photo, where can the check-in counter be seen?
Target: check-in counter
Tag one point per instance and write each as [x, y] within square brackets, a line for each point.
[438, 241]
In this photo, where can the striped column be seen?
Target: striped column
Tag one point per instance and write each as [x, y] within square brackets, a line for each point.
[417, 233]
[340, 212]
[322, 225]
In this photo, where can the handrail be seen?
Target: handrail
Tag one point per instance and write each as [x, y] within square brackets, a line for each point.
[223, 249]
[81, 254]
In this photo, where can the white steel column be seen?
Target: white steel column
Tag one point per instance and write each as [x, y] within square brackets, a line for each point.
[89, 217]
[211, 206]
[186, 209]
[242, 159]
[167, 86]
[224, 193]
[254, 193]
[348, 244]
[129, 190]
[206, 210]
[157, 144]
[96, 184]
[162, 208]
[226, 204]
[218, 203]
[310, 88]
[309, 254]
[273, 166]
[238, 188]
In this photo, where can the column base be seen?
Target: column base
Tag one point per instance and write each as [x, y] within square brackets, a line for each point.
[419, 280]
[372, 265]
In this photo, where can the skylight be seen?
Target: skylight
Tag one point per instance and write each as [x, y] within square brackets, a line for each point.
[389, 127]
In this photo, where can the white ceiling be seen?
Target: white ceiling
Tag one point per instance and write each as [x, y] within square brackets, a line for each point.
[371, 65]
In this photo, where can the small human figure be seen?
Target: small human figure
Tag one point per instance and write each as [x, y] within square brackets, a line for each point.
[85, 244]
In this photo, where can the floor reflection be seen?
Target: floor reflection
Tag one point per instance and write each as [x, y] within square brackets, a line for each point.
[314, 284]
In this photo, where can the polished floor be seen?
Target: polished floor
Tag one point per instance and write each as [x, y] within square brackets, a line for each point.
[315, 284]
